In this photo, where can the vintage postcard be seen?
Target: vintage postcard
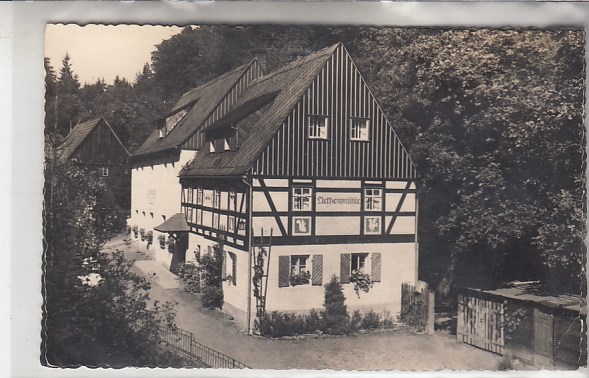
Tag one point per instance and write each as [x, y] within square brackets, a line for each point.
[314, 197]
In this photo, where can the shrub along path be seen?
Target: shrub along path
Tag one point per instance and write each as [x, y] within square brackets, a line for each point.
[400, 349]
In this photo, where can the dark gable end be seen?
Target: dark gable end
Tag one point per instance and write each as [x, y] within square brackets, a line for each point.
[203, 104]
[93, 141]
[340, 97]
[325, 83]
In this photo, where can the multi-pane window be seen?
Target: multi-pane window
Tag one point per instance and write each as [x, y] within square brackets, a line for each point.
[189, 195]
[216, 199]
[189, 218]
[299, 272]
[104, 171]
[232, 202]
[301, 199]
[298, 264]
[199, 196]
[317, 126]
[358, 262]
[231, 223]
[359, 128]
[216, 221]
[373, 199]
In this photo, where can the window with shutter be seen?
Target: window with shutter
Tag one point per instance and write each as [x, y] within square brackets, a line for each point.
[317, 267]
[230, 267]
[345, 268]
[376, 267]
[283, 271]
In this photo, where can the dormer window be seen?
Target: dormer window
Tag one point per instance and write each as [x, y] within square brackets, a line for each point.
[171, 122]
[317, 126]
[359, 129]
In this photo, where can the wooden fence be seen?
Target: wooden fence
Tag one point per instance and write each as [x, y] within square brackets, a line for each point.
[183, 344]
[480, 323]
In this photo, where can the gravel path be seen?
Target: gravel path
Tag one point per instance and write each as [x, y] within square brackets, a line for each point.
[399, 349]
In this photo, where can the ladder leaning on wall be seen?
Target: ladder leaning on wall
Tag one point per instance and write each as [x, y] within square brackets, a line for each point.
[261, 266]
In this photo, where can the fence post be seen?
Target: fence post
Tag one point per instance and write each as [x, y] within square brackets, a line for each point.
[430, 315]
[460, 318]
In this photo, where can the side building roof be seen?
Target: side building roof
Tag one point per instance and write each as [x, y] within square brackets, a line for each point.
[200, 103]
[78, 134]
[277, 93]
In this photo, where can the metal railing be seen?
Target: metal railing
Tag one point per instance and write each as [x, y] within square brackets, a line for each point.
[183, 344]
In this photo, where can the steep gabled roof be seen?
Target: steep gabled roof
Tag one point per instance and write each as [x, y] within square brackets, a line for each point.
[78, 134]
[286, 86]
[200, 101]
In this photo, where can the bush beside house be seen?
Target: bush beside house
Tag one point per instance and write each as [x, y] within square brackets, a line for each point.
[334, 320]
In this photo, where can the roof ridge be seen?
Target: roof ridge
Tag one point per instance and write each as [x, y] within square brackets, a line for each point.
[296, 63]
[214, 80]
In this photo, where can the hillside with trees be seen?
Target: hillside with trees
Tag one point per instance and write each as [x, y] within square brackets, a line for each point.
[493, 120]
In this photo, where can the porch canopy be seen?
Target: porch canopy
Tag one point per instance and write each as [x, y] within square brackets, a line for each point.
[176, 223]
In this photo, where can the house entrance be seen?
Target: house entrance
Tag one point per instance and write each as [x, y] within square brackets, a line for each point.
[179, 254]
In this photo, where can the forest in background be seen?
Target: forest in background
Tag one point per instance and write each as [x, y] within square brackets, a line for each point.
[493, 120]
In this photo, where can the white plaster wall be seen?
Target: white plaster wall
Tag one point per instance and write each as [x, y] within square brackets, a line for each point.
[155, 192]
[399, 265]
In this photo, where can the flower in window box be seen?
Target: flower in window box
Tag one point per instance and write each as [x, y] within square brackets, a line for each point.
[149, 237]
[142, 233]
[361, 282]
[302, 278]
[162, 240]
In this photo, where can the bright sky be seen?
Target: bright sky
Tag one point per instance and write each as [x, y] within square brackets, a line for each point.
[99, 51]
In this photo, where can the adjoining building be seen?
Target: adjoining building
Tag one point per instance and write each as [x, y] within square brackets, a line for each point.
[307, 154]
[155, 189]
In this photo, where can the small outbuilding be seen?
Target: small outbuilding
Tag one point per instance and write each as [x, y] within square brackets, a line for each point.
[535, 327]
[94, 146]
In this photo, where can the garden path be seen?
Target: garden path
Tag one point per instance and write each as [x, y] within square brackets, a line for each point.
[400, 349]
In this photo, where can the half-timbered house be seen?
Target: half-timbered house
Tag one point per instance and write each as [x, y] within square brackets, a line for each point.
[155, 190]
[307, 154]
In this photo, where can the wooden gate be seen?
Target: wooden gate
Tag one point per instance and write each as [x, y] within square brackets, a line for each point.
[480, 323]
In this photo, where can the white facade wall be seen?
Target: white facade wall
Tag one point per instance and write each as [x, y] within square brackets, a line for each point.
[155, 193]
[399, 265]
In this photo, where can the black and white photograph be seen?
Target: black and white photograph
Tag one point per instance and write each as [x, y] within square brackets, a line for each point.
[340, 197]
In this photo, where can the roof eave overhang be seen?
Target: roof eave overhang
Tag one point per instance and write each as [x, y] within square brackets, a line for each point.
[154, 154]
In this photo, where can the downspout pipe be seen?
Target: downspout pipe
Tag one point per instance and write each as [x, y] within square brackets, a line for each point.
[250, 252]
